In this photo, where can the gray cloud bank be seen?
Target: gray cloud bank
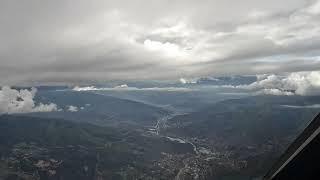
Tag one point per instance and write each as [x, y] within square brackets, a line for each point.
[22, 101]
[66, 41]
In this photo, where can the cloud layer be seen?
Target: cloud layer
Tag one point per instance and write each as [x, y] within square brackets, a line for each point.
[313, 106]
[298, 83]
[125, 87]
[66, 42]
[22, 101]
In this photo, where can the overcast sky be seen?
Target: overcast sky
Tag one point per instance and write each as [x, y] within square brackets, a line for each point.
[65, 41]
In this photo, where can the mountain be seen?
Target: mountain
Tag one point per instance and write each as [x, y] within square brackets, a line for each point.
[227, 80]
[99, 109]
[195, 99]
[246, 121]
[108, 137]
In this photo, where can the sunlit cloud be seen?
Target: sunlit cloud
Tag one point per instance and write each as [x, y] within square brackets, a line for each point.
[298, 83]
[22, 101]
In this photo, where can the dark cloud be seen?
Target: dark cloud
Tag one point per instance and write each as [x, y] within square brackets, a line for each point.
[68, 41]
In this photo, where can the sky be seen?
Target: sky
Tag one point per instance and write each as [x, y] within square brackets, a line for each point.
[80, 41]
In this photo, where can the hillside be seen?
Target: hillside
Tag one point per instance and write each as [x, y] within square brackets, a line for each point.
[32, 148]
[99, 109]
[251, 120]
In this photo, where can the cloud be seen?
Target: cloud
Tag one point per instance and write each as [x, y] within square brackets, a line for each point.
[275, 92]
[187, 81]
[46, 107]
[314, 8]
[299, 83]
[22, 101]
[169, 49]
[95, 41]
[122, 86]
[87, 88]
[313, 106]
[72, 108]
[125, 87]
[183, 81]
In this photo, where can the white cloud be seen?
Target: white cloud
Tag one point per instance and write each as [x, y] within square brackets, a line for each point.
[88, 88]
[187, 81]
[72, 108]
[261, 76]
[122, 86]
[269, 82]
[167, 48]
[299, 83]
[313, 106]
[276, 92]
[22, 101]
[304, 83]
[183, 81]
[125, 87]
[46, 108]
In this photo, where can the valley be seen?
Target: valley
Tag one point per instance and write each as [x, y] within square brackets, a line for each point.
[116, 138]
